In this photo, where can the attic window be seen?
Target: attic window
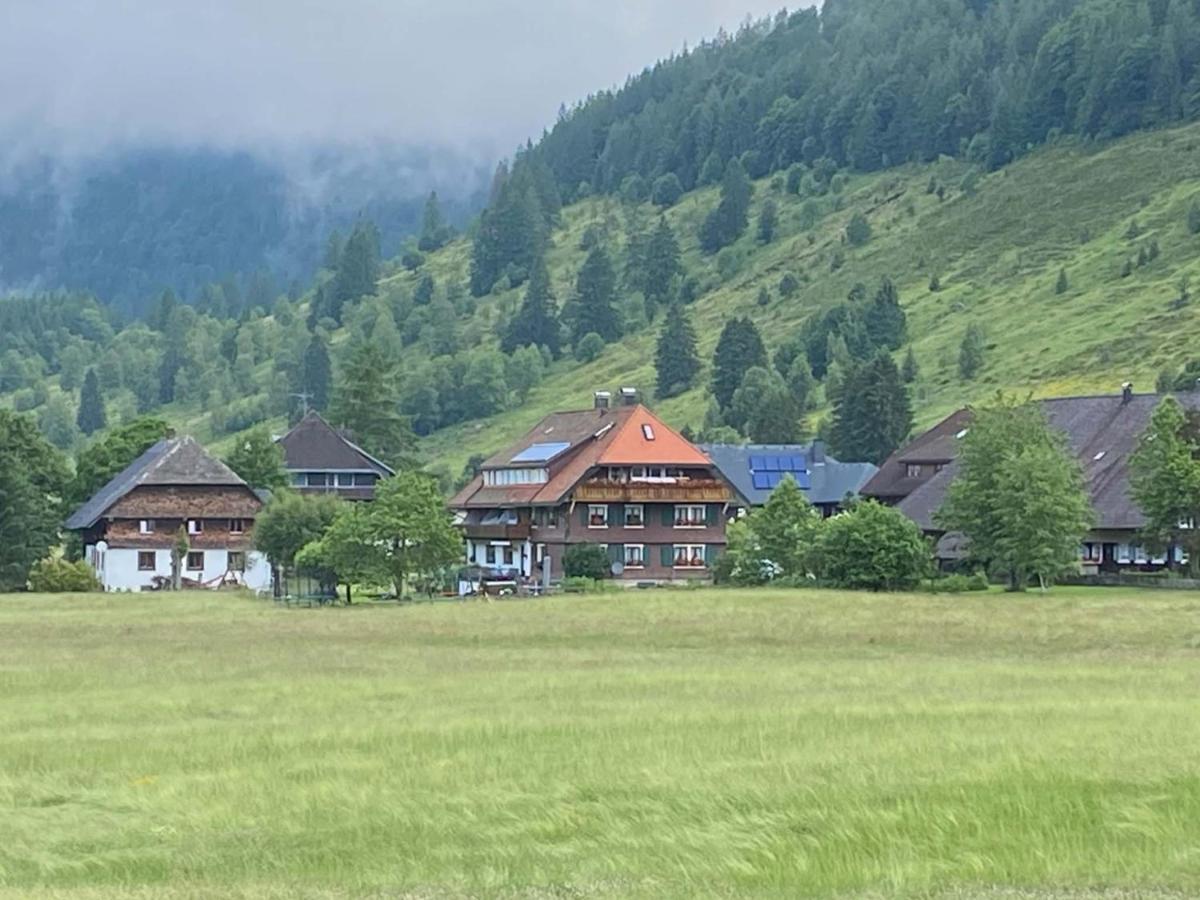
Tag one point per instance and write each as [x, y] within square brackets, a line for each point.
[1099, 456]
[648, 431]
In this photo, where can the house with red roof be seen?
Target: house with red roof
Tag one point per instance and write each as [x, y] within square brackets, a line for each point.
[613, 475]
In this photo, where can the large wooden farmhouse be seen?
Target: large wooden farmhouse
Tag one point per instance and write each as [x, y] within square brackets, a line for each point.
[130, 527]
[1101, 431]
[613, 475]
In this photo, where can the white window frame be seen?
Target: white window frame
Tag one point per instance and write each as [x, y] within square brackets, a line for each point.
[345, 479]
[145, 526]
[592, 513]
[195, 526]
[237, 526]
[690, 554]
[1091, 552]
[641, 556]
[648, 431]
[912, 470]
[641, 508]
[1124, 553]
[683, 520]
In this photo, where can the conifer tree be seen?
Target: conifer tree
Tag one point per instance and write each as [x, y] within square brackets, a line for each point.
[675, 360]
[91, 416]
[661, 266]
[970, 353]
[434, 230]
[258, 460]
[739, 349]
[768, 216]
[872, 416]
[908, 369]
[884, 318]
[536, 321]
[593, 309]
[1061, 285]
[764, 409]
[316, 373]
[725, 224]
[366, 401]
[358, 268]
[1193, 218]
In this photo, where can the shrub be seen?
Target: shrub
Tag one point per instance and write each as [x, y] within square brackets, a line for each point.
[588, 561]
[858, 231]
[667, 190]
[412, 260]
[590, 346]
[874, 547]
[55, 575]
[789, 284]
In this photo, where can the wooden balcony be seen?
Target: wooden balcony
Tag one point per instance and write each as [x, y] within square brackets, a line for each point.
[518, 532]
[691, 490]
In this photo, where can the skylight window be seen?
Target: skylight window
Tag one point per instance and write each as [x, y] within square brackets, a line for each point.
[648, 431]
[541, 452]
[962, 434]
[1099, 456]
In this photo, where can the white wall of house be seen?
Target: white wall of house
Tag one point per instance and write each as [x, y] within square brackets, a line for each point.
[118, 568]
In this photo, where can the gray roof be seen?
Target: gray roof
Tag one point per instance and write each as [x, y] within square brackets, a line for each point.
[172, 461]
[829, 481]
[1101, 431]
[315, 445]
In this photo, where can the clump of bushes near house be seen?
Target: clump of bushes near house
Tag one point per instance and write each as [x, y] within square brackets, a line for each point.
[55, 575]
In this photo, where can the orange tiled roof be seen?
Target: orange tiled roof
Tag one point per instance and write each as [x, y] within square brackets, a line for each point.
[643, 439]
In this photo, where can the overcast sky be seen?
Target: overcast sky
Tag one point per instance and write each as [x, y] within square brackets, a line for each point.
[87, 74]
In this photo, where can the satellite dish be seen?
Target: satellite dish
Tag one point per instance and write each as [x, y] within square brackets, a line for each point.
[617, 568]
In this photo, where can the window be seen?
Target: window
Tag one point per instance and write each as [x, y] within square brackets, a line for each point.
[1092, 552]
[195, 561]
[1124, 553]
[689, 556]
[635, 556]
[507, 555]
[237, 526]
[635, 516]
[690, 516]
[597, 516]
[365, 479]
[502, 477]
[1186, 523]
[317, 479]
[648, 431]
[345, 479]
[489, 555]
[912, 470]
[552, 517]
[146, 526]
[146, 561]
[195, 526]
[299, 479]
[237, 561]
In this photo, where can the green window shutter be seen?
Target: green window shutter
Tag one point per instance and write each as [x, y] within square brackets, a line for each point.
[711, 552]
[666, 555]
[668, 515]
[583, 514]
[712, 514]
[616, 552]
[616, 515]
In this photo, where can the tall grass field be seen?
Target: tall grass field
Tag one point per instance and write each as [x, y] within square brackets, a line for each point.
[698, 743]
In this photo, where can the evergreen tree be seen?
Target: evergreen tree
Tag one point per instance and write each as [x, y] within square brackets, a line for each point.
[725, 224]
[768, 217]
[661, 266]
[872, 416]
[426, 287]
[91, 416]
[333, 251]
[764, 409]
[1193, 218]
[358, 269]
[739, 349]
[970, 353]
[536, 321]
[858, 231]
[316, 374]
[366, 402]
[884, 318]
[434, 230]
[676, 361]
[593, 309]
[1061, 285]
[33, 480]
[908, 369]
[511, 232]
[801, 383]
[667, 190]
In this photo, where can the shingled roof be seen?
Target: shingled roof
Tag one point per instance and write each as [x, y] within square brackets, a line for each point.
[313, 445]
[1101, 431]
[172, 461]
[829, 481]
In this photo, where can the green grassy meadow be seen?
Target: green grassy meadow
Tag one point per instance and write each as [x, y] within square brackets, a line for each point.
[698, 743]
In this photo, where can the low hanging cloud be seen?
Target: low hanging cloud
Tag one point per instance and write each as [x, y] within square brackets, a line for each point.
[82, 76]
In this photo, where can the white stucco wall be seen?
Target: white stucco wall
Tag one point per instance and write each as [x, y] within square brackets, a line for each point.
[117, 568]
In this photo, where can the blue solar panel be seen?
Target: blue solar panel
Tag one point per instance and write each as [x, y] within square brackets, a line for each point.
[536, 453]
[802, 480]
[762, 481]
[757, 464]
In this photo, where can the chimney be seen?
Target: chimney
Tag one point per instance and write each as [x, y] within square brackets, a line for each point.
[1127, 392]
[817, 453]
[629, 396]
[602, 400]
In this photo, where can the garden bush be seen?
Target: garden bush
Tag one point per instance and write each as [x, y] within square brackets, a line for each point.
[56, 575]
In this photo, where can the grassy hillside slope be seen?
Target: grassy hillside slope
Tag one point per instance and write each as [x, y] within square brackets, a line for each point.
[997, 249]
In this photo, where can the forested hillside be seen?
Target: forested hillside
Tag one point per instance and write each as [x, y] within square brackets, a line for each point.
[841, 223]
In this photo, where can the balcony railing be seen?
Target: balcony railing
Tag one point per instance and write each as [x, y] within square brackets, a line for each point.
[518, 532]
[681, 491]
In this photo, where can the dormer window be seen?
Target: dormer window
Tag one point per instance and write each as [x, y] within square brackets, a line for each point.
[912, 470]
